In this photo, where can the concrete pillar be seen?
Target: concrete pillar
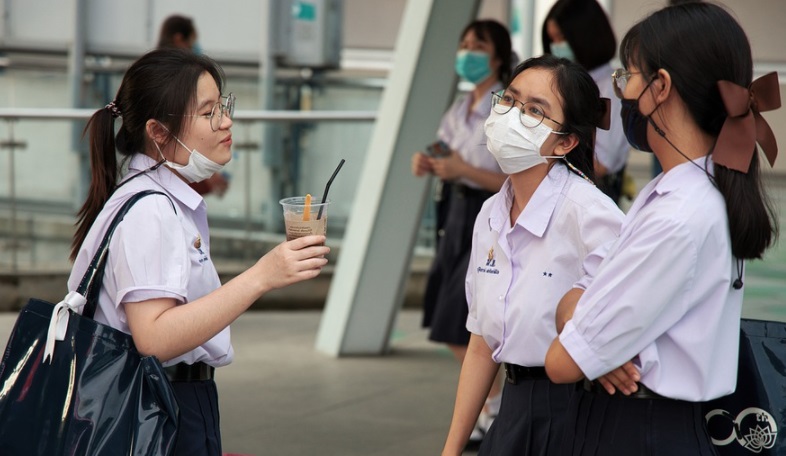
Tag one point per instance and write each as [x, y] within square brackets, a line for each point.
[367, 289]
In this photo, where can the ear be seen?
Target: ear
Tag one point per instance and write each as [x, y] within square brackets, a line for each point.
[156, 132]
[662, 86]
[565, 144]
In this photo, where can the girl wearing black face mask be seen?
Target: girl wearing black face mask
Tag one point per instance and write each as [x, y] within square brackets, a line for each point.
[666, 302]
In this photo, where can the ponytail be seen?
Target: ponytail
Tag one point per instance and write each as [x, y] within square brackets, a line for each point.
[753, 224]
[103, 173]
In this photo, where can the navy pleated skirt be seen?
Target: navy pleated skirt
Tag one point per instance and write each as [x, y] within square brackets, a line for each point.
[603, 425]
[531, 420]
[445, 307]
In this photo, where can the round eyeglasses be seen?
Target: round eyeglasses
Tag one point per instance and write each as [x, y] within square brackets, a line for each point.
[532, 114]
[226, 106]
[620, 79]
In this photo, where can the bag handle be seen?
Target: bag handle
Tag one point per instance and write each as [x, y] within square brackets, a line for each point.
[87, 293]
[90, 285]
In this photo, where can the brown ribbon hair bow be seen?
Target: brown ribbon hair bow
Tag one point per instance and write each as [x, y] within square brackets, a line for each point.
[745, 126]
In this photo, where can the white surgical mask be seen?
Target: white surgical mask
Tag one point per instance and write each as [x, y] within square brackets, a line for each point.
[198, 167]
[515, 147]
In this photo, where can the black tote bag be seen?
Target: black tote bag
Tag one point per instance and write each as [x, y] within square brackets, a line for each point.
[752, 420]
[88, 393]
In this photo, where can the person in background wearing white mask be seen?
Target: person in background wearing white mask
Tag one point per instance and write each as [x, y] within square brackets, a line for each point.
[532, 241]
[160, 284]
[468, 175]
[580, 31]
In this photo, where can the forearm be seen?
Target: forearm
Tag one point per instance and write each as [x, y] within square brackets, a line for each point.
[477, 374]
[178, 329]
[560, 366]
[566, 307]
[166, 330]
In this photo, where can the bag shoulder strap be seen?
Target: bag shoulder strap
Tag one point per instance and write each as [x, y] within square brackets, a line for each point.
[90, 285]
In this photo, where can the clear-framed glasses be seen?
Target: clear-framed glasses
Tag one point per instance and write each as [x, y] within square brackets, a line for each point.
[226, 106]
[620, 79]
[532, 114]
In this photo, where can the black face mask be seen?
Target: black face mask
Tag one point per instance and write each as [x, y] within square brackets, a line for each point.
[634, 123]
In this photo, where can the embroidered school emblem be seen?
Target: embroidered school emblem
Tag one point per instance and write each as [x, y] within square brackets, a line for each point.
[491, 261]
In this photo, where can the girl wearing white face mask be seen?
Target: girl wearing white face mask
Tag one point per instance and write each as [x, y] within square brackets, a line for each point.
[468, 176]
[160, 284]
[531, 242]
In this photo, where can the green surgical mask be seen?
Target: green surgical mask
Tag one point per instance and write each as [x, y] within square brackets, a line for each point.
[563, 50]
[473, 66]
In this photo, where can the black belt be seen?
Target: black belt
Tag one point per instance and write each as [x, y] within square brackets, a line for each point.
[515, 373]
[182, 372]
[641, 393]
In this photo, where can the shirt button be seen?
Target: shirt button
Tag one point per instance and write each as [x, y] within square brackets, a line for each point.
[501, 297]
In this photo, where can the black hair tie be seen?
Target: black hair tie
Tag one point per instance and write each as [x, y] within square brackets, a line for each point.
[738, 281]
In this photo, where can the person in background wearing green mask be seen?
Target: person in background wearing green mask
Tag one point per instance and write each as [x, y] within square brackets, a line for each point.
[580, 31]
[468, 175]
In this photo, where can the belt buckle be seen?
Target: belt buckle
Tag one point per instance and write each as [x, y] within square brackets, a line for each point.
[510, 376]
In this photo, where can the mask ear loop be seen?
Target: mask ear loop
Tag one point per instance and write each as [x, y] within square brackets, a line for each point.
[577, 171]
[155, 143]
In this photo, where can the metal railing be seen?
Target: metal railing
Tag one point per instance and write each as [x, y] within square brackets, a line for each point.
[11, 144]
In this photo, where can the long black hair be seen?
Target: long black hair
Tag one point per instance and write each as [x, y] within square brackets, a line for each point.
[160, 85]
[581, 105]
[700, 44]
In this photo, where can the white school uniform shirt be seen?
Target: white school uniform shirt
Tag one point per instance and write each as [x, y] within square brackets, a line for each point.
[465, 134]
[518, 274]
[663, 295]
[155, 252]
[611, 146]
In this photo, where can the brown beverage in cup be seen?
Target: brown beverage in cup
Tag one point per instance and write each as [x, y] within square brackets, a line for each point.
[301, 219]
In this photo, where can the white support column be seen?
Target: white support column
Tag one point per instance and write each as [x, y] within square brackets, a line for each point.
[367, 288]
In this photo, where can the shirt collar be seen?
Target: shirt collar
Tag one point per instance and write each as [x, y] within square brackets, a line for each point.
[536, 215]
[683, 174]
[164, 177]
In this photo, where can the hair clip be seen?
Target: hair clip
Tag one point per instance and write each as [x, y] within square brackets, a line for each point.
[113, 109]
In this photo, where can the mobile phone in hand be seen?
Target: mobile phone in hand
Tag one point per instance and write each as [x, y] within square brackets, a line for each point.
[438, 149]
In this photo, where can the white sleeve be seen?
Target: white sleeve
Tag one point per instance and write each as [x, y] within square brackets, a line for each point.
[639, 293]
[148, 253]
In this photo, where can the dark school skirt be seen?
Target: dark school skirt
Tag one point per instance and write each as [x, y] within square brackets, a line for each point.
[445, 302]
[615, 425]
[198, 432]
[531, 420]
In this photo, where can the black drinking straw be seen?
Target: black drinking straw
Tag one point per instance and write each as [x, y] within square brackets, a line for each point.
[327, 188]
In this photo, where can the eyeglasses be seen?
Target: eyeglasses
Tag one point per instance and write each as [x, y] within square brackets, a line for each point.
[532, 114]
[620, 79]
[216, 116]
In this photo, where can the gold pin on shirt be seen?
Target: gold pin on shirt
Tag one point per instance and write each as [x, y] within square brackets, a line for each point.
[198, 241]
[491, 253]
